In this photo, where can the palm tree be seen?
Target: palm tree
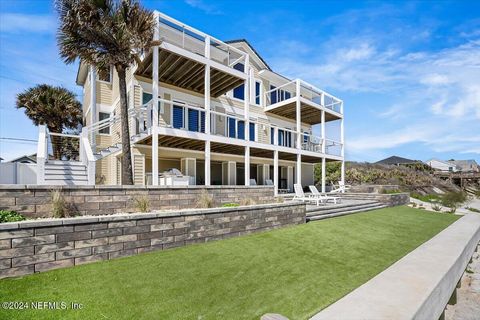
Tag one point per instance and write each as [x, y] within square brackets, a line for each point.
[55, 107]
[106, 33]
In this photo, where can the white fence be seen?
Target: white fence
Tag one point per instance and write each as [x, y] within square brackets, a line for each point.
[18, 173]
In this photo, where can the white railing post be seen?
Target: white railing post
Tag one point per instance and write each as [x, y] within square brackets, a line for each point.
[246, 115]
[155, 83]
[299, 130]
[207, 179]
[42, 153]
[93, 103]
[87, 157]
[342, 141]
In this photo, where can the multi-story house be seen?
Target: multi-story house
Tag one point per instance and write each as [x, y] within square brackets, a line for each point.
[213, 110]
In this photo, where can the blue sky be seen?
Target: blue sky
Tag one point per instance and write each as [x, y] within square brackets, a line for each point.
[408, 72]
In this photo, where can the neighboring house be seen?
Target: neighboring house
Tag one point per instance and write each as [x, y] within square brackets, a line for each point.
[26, 159]
[221, 116]
[397, 161]
[440, 165]
[466, 165]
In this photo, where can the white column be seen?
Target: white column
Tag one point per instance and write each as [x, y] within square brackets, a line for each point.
[207, 113]
[155, 83]
[299, 136]
[275, 172]
[323, 174]
[342, 141]
[246, 115]
[93, 106]
[323, 123]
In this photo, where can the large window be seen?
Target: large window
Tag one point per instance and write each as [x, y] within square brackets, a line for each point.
[232, 127]
[103, 116]
[193, 120]
[105, 75]
[241, 129]
[252, 131]
[239, 92]
[146, 97]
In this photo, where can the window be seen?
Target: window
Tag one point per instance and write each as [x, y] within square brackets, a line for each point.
[241, 129]
[193, 120]
[146, 97]
[105, 75]
[278, 95]
[257, 92]
[273, 95]
[103, 116]
[272, 135]
[252, 131]
[178, 117]
[239, 92]
[202, 121]
[232, 130]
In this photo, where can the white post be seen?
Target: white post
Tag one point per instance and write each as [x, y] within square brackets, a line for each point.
[207, 113]
[342, 141]
[299, 136]
[42, 153]
[246, 115]
[155, 83]
[323, 174]
[275, 172]
[207, 163]
[93, 105]
[323, 123]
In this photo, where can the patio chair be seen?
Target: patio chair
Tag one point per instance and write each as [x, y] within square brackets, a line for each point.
[341, 188]
[253, 182]
[322, 197]
[300, 195]
[268, 182]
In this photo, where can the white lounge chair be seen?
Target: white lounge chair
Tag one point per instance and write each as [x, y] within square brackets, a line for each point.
[322, 197]
[341, 188]
[268, 182]
[300, 196]
[253, 182]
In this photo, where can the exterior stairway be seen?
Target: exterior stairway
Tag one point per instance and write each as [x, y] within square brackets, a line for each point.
[65, 173]
[108, 151]
[346, 207]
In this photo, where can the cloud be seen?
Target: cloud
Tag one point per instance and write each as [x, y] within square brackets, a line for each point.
[31, 23]
[205, 7]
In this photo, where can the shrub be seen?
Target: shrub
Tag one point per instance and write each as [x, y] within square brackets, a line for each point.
[247, 202]
[425, 198]
[59, 208]
[472, 209]
[452, 209]
[414, 204]
[10, 216]
[204, 200]
[436, 207]
[453, 199]
[142, 203]
[227, 205]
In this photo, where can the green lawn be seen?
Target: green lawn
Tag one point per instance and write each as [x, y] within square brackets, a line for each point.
[294, 271]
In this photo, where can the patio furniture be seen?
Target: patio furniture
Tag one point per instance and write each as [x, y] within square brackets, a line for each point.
[300, 195]
[341, 188]
[325, 198]
[253, 182]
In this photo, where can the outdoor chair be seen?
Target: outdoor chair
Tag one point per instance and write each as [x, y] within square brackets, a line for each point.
[268, 182]
[341, 188]
[300, 195]
[253, 182]
[322, 197]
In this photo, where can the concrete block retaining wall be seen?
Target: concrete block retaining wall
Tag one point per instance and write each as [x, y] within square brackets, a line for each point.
[35, 246]
[391, 200]
[35, 201]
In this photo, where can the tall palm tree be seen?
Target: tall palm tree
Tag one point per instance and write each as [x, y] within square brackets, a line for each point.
[106, 33]
[55, 107]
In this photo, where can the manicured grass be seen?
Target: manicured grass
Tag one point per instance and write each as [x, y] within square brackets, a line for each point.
[294, 271]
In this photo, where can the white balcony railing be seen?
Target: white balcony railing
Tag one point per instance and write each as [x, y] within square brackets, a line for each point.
[181, 35]
[289, 91]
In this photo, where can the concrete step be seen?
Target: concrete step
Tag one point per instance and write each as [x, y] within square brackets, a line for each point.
[343, 213]
[67, 182]
[53, 163]
[331, 206]
[341, 209]
[66, 176]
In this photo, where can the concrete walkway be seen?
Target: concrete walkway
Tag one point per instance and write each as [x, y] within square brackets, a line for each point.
[419, 285]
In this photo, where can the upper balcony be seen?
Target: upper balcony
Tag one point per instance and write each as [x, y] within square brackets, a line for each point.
[282, 101]
[183, 54]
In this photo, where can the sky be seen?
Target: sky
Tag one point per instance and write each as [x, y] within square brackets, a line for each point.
[408, 72]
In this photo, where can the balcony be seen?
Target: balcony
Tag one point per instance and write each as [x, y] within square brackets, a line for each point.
[282, 101]
[185, 128]
[183, 53]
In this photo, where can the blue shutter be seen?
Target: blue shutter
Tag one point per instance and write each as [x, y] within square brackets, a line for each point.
[193, 120]
[257, 92]
[241, 129]
[177, 117]
[252, 131]
[272, 135]
[202, 121]
[273, 95]
[231, 127]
